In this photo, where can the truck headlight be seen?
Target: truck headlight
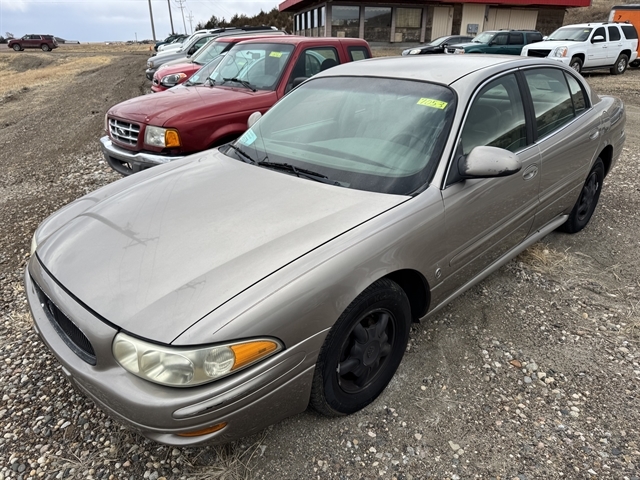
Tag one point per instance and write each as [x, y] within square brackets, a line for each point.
[459, 51]
[161, 137]
[560, 52]
[149, 64]
[172, 80]
[187, 367]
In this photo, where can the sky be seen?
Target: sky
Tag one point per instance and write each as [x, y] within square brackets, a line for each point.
[115, 20]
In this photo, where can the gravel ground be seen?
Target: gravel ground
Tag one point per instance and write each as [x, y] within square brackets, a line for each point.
[533, 374]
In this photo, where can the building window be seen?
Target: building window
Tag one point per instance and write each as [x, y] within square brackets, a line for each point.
[345, 21]
[408, 23]
[322, 16]
[377, 24]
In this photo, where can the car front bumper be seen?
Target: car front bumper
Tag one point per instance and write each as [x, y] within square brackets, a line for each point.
[149, 73]
[127, 162]
[247, 401]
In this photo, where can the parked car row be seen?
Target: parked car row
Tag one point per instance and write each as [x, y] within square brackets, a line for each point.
[588, 46]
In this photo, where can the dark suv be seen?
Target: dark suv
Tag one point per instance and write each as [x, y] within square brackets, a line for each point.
[44, 42]
[501, 42]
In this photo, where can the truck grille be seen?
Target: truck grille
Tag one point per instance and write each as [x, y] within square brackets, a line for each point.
[124, 132]
[70, 334]
[538, 53]
[450, 50]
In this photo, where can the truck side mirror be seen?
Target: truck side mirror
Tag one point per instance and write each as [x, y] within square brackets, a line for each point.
[253, 118]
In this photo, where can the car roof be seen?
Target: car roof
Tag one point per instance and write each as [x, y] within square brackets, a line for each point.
[295, 40]
[590, 24]
[445, 69]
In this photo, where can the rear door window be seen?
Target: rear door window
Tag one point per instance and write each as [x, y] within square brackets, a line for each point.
[358, 53]
[516, 38]
[614, 34]
[534, 37]
[552, 102]
[577, 95]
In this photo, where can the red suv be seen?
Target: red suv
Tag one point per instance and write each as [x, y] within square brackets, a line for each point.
[44, 42]
[155, 129]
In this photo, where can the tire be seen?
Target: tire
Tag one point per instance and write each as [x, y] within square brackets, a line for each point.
[362, 351]
[635, 64]
[587, 201]
[16, 47]
[576, 64]
[45, 47]
[620, 66]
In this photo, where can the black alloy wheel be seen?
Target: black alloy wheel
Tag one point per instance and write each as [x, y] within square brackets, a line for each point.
[587, 201]
[362, 351]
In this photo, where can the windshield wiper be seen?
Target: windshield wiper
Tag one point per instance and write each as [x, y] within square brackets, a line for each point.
[299, 172]
[244, 154]
[242, 82]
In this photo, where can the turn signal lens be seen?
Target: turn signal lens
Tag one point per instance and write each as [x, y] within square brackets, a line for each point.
[204, 431]
[171, 138]
[247, 353]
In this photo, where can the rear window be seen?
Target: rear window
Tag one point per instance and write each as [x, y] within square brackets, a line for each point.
[629, 32]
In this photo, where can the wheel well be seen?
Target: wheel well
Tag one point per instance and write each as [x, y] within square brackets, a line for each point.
[627, 53]
[580, 56]
[225, 139]
[606, 156]
[417, 289]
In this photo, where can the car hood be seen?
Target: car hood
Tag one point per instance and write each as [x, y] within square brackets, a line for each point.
[177, 106]
[467, 45]
[181, 67]
[159, 255]
[178, 61]
[550, 44]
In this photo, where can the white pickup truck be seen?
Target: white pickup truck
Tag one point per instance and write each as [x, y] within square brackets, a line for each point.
[589, 46]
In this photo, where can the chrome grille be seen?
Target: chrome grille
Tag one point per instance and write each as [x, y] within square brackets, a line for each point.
[124, 132]
[70, 334]
[538, 53]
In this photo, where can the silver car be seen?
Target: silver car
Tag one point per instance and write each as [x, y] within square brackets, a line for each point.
[202, 300]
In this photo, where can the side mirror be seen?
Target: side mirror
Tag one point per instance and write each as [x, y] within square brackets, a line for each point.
[488, 162]
[597, 39]
[253, 118]
[298, 80]
[545, 37]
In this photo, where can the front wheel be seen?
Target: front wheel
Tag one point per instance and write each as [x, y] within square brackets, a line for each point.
[587, 201]
[576, 64]
[620, 66]
[16, 47]
[362, 351]
[45, 47]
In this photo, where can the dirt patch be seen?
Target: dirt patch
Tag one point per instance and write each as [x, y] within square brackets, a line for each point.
[533, 374]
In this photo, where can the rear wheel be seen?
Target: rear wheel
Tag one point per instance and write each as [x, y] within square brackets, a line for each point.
[16, 47]
[362, 351]
[45, 47]
[587, 201]
[576, 64]
[620, 66]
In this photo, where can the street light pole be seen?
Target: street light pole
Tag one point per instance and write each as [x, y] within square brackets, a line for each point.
[170, 16]
[153, 28]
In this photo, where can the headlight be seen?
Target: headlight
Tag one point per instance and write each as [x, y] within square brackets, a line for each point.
[34, 245]
[459, 51]
[187, 367]
[172, 80]
[149, 64]
[560, 52]
[415, 51]
[161, 137]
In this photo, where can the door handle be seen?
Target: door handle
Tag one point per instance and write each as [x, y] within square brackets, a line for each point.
[594, 135]
[530, 172]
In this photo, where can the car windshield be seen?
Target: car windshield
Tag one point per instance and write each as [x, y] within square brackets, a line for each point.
[438, 41]
[255, 65]
[375, 134]
[484, 37]
[578, 34]
[202, 75]
[207, 53]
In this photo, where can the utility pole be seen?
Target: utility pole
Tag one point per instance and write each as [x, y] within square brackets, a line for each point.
[182, 7]
[170, 16]
[190, 17]
[153, 28]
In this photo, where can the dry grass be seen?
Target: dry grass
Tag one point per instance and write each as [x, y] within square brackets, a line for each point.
[597, 12]
[541, 258]
[20, 74]
[104, 48]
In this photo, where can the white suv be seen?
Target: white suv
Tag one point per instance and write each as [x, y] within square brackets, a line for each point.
[589, 46]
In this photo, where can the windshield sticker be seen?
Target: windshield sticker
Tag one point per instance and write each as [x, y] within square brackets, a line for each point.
[248, 137]
[275, 54]
[430, 102]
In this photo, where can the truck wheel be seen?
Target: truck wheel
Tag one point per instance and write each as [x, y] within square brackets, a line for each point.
[576, 64]
[17, 47]
[635, 64]
[45, 47]
[620, 66]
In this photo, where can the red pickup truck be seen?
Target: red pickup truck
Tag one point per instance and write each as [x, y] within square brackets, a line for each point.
[155, 129]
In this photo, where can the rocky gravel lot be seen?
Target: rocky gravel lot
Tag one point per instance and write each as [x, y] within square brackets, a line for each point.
[533, 374]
